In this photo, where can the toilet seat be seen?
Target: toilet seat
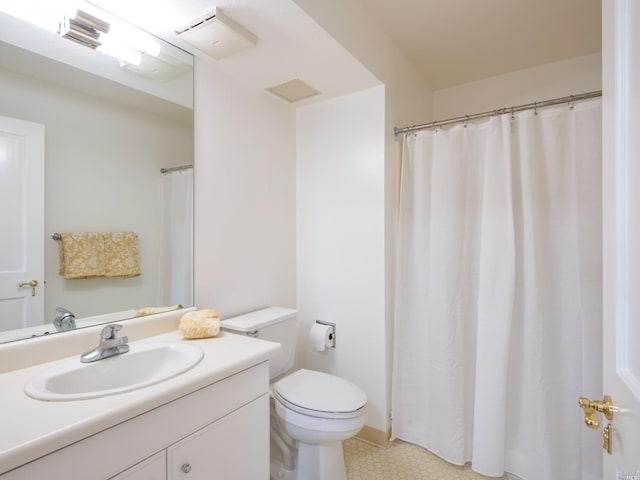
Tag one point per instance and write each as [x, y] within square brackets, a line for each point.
[321, 395]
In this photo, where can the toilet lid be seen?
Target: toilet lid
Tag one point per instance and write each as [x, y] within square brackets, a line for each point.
[319, 392]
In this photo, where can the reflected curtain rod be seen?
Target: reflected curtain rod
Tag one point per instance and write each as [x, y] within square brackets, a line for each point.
[175, 169]
[529, 106]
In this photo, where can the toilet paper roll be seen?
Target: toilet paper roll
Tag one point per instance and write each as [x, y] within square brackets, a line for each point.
[320, 337]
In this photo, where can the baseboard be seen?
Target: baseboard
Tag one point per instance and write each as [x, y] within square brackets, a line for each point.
[374, 436]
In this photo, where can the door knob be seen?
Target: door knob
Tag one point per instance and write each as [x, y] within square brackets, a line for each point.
[33, 284]
[590, 408]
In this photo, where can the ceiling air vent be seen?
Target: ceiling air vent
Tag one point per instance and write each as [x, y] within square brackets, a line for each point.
[216, 34]
[293, 90]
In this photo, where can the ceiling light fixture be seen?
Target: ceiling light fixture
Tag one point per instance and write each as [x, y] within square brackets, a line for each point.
[84, 29]
[120, 51]
[42, 13]
[134, 38]
[86, 24]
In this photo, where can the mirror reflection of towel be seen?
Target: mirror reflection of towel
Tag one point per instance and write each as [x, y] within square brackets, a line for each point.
[91, 254]
[121, 254]
[81, 255]
[151, 310]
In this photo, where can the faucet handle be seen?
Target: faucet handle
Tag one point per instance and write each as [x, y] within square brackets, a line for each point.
[109, 332]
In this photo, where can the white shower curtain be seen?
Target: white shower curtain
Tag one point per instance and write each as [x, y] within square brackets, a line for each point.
[176, 240]
[498, 293]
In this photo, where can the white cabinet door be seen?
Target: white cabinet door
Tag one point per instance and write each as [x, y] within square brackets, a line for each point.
[22, 220]
[153, 468]
[235, 447]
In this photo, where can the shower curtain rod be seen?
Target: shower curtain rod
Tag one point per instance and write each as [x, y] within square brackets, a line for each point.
[175, 169]
[529, 106]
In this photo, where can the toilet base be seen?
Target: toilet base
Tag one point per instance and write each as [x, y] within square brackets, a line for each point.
[321, 462]
[279, 472]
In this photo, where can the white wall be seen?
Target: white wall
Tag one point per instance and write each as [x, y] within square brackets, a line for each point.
[245, 246]
[341, 244]
[407, 100]
[245, 222]
[553, 80]
[102, 169]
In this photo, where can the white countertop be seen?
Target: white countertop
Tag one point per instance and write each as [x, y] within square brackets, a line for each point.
[32, 428]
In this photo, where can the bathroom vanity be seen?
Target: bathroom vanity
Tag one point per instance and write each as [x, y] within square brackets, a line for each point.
[211, 421]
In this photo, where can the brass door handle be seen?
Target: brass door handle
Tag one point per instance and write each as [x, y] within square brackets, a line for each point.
[592, 420]
[606, 439]
[32, 284]
[590, 408]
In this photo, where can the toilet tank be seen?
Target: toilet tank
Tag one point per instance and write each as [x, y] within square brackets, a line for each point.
[274, 324]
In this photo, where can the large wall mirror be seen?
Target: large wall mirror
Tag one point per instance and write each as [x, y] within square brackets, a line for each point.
[117, 143]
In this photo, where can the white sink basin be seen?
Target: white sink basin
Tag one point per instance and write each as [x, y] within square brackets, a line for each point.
[144, 365]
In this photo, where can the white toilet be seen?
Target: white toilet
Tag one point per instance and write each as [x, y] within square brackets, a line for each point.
[312, 412]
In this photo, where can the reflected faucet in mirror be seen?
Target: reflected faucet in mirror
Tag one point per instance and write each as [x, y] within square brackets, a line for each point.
[66, 320]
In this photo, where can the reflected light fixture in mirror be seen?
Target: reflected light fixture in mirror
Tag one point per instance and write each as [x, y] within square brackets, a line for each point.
[86, 24]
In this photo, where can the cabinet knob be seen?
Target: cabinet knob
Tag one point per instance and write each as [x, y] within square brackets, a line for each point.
[186, 468]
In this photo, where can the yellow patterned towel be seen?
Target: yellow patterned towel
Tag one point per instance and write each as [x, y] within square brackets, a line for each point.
[121, 254]
[200, 324]
[81, 255]
[141, 312]
[92, 254]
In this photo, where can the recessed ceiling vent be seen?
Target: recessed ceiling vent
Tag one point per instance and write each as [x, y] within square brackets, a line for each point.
[293, 90]
[216, 34]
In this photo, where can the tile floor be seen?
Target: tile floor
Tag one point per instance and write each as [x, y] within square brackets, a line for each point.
[400, 461]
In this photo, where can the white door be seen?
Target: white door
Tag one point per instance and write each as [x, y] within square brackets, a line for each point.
[22, 223]
[621, 217]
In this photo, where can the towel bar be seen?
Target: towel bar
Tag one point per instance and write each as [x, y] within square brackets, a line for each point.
[57, 236]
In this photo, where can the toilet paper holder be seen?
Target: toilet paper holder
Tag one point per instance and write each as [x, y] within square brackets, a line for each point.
[332, 335]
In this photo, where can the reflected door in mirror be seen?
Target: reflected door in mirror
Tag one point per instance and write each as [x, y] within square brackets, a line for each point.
[21, 242]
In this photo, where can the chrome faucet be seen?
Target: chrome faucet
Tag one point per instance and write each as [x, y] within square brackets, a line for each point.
[109, 345]
[65, 321]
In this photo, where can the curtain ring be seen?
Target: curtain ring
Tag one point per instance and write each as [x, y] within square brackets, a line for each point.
[466, 119]
[572, 103]
[512, 117]
[535, 108]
